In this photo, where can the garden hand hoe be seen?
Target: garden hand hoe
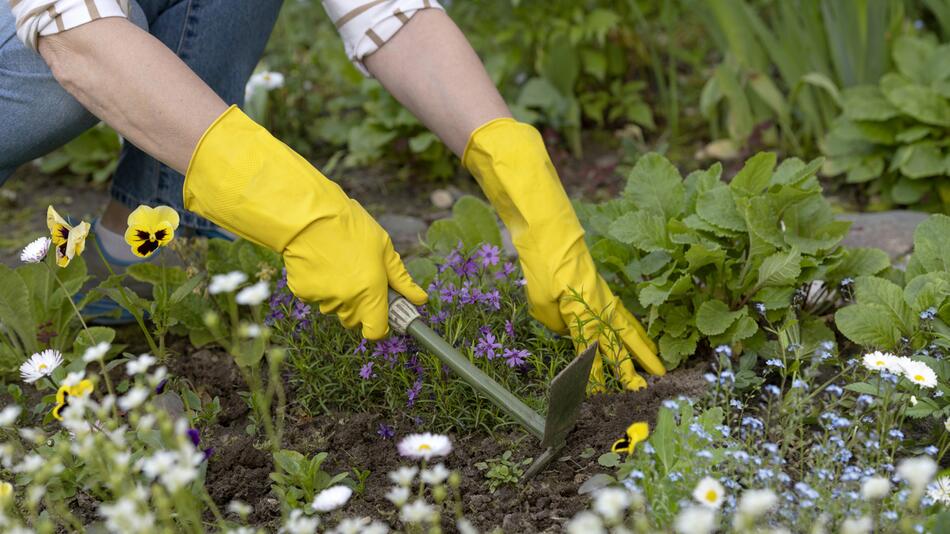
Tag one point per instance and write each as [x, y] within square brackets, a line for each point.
[564, 400]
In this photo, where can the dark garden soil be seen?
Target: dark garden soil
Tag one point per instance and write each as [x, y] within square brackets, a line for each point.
[239, 469]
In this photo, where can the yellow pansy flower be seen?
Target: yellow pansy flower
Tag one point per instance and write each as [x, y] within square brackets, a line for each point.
[6, 490]
[82, 389]
[636, 433]
[150, 228]
[69, 241]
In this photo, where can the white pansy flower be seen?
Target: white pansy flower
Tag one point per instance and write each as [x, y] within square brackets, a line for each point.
[139, 365]
[709, 492]
[875, 488]
[332, 498]
[226, 283]
[96, 352]
[417, 512]
[425, 446]
[253, 295]
[40, 364]
[36, 250]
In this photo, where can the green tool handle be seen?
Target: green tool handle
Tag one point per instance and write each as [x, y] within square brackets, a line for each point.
[404, 318]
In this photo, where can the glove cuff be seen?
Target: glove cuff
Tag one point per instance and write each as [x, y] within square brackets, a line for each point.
[244, 179]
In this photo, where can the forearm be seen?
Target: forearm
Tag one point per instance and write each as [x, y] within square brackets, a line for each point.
[135, 84]
[431, 69]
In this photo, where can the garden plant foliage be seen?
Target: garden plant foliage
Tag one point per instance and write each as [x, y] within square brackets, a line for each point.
[713, 263]
[895, 132]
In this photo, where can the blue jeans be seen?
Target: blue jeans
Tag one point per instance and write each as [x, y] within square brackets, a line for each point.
[220, 40]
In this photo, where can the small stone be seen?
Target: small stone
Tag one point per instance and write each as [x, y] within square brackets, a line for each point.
[404, 229]
[170, 403]
[890, 231]
[442, 199]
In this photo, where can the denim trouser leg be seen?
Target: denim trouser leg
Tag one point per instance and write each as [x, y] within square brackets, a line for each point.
[220, 40]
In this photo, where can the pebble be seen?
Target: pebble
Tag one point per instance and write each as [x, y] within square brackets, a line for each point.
[442, 199]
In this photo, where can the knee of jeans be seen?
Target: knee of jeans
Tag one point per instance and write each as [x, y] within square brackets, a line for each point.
[137, 15]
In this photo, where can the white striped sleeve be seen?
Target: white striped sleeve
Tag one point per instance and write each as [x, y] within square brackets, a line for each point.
[365, 25]
[47, 17]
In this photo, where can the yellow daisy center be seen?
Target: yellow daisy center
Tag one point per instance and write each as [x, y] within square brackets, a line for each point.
[43, 367]
[919, 378]
[425, 447]
[880, 363]
[711, 495]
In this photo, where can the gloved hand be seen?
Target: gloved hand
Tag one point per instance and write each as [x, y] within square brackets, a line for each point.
[245, 180]
[512, 166]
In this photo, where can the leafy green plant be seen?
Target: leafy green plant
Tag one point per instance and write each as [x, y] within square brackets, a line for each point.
[705, 262]
[502, 471]
[94, 155]
[785, 63]
[299, 479]
[895, 136]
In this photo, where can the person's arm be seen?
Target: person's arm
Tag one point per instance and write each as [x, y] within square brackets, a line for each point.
[136, 85]
[430, 68]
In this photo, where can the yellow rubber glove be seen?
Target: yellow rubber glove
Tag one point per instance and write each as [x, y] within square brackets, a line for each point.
[511, 164]
[336, 254]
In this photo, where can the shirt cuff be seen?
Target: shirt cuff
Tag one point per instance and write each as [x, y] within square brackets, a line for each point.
[366, 25]
[35, 18]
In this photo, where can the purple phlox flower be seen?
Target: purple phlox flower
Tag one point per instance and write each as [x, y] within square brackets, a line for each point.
[439, 317]
[469, 294]
[515, 357]
[434, 286]
[361, 348]
[510, 329]
[452, 261]
[468, 268]
[389, 348]
[506, 271]
[489, 255]
[413, 392]
[195, 438]
[282, 281]
[301, 310]
[366, 372]
[385, 431]
[522, 282]
[492, 299]
[487, 346]
[160, 388]
[448, 293]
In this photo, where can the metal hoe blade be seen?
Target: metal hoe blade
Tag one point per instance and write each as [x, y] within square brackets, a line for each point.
[565, 396]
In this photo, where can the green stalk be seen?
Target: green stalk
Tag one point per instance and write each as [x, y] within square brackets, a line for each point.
[126, 302]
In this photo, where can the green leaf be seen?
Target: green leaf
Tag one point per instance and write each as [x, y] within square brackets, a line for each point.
[654, 185]
[15, 309]
[642, 229]
[744, 328]
[871, 290]
[868, 324]
[422, 270]
[911, 57]
[444, 235]
[867, 103]
[675, 350]
[95, 335]
[664, 439]
[755, 175]
[920, 102]
[921, 160]
[780, 269]
[861, 262]
[714, 317]
[863, 388]
[928, 290]
[185, 289]
[718, 208]
[699, 255]
[774, 298]
[932, 243]
[477, 222]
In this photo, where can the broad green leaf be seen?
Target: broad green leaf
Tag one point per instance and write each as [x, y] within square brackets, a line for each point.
[868, 324]
[477, 222]
[664, 439]
[654, 185]
[422, 270]
[774, 298]
[94, 336]
[444, 235]
[794, 172]
[861, 262]
[699, 255]
[755, 175]
[867, 103]
[718, 208]
[780, 269]
[15, 309]
[863, 388]
[922, 160]
[927, 291]
[920, 102]
[871, 290]
[743, 328]
[932, 243]
[909, 191]
[911, 57]
[714, 317]
[674, 350]
[642, 229]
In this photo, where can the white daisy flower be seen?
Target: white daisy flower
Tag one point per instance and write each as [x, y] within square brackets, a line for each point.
[398, 495]
[435, 475]
[9, 415]
[425, 446]
[253, 295]
[226, 283]
[709, 492]
[756, 502]
[40, 364]
[404, 475]
[919, 373]
[35, 251]
[917, 471]
[882, 361]
[416, 512]
[939, 490]
[266, 80]
[585, 523]
[332, 498]
[298, 523]
[96, 352]
[695, 520]
[139, 365]
[875, 488]
[612, 503]
[133, 399]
